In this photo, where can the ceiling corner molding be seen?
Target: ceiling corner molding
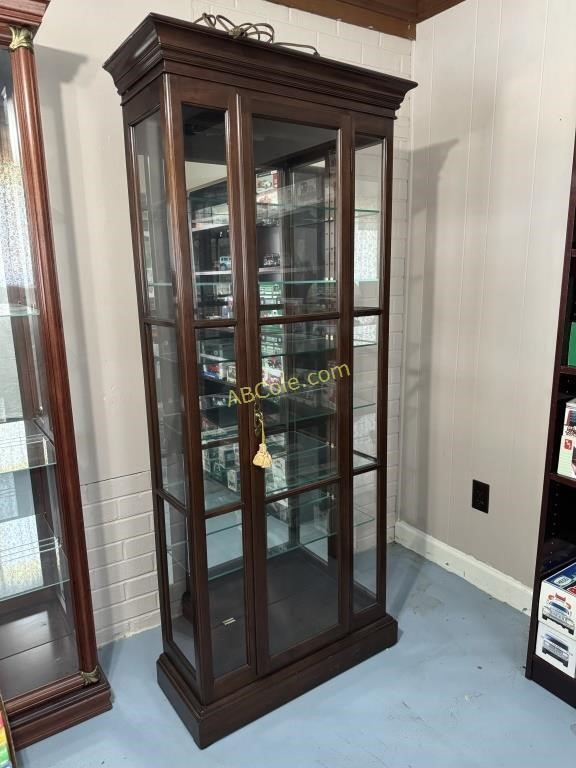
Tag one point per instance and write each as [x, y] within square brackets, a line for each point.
[428, 8]
[394, 17]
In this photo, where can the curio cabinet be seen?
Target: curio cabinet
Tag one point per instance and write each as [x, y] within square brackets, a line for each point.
[260, 180]
[49, 673]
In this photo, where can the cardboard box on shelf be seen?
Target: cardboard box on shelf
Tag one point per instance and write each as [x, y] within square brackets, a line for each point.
[557, 649]
[557, 604]
[567, 458]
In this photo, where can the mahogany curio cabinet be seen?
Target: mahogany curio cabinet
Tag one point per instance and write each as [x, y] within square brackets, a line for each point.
[49, 673]
[260, 185]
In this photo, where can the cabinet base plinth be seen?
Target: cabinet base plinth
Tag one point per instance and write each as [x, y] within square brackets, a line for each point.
[58, 714]
[209, 722]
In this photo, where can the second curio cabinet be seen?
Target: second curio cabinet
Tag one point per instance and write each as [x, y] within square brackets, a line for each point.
[260, 183]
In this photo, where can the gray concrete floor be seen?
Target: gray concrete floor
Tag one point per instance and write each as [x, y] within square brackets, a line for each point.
[451, 693]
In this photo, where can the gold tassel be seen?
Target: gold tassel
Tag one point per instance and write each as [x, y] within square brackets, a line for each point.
[262, 458]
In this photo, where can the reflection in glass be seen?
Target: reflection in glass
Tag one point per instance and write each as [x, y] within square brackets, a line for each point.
[208, 213]
[180, 585]
[157, 257]
[302, 566]
[365, 540]
[296, 206]
[300, 375]
[365, 391]
[169, 402]
[36, 618]
[219, 416]
[225, 554]
[368, 178]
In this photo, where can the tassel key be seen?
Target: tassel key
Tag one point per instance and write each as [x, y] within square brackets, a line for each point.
[262, 458]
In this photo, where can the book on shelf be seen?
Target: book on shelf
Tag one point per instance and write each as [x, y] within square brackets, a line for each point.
[567, 458]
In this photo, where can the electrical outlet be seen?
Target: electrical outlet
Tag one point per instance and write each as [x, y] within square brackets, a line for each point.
[480, 496]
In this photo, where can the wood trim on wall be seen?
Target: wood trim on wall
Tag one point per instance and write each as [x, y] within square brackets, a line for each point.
[394, 17]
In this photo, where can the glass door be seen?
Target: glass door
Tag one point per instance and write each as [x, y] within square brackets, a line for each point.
[301, 372]
[37, 634]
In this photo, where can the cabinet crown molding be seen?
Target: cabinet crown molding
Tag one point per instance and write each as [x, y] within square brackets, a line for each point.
[165, 45]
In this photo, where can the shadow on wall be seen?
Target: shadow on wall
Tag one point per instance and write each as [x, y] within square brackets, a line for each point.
[83, 234]
[63, 68]
[427, 165]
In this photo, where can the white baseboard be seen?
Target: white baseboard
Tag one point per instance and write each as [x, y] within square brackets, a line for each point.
[486, 578]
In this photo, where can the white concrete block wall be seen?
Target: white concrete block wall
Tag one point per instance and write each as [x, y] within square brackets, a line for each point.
[105, 362]
[121, 555]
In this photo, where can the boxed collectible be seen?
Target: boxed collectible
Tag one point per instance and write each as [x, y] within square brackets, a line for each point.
[572, 346]
[557, 649]
[567, 459]
[557, 605]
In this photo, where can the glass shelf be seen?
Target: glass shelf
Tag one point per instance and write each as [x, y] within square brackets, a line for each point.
[307, 412]
[216, 494]
[31, 556]
[298, 461]
[18, 310]
[268, 214]
[362, 460]
[23, 446]
[229, 535]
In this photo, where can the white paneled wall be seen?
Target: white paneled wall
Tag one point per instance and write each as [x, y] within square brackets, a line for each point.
[85, 157]
[493, 131]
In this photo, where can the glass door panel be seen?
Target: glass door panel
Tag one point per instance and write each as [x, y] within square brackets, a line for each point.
[206, 178]
[302, 566]
[225, 553]
[37, 634]
[368, 191]
[219, 416]
[296, 209]
[298, 396]
[295, 217]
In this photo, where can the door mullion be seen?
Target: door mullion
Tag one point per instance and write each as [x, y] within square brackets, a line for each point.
[241, 276]
[253, 368]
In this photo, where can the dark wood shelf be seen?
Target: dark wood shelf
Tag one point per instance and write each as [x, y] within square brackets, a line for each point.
[555, 477]
[568, 369]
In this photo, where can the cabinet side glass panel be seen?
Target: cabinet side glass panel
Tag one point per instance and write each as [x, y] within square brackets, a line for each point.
[206, 176]
[180, 585]
[37, 635]
[225, 553]
[365, 391]
[157, 262]
[170, 410]
[369, 158]
[296, 206]
[302, 566]
[365, 552]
